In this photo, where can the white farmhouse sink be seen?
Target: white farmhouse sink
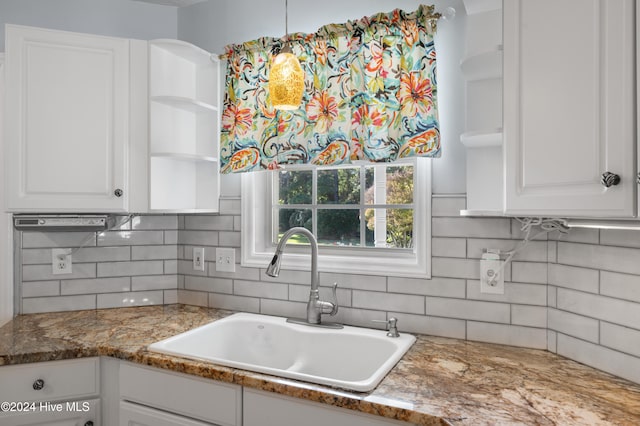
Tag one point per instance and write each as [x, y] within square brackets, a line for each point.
[351, 358]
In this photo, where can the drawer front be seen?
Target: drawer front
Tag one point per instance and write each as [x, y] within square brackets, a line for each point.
[191, 396]
[59, 380]
[76, 413]
[137, 415]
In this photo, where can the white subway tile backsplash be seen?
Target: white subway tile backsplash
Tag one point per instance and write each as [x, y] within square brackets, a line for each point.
[442, 287]
[468, 309]
[241, 273]
[283, 308]
[96, 285]
[234, 303]
[433, 326]
[198, 238]
[552, 339]
[230, 206]
[534, 251]
[449, 247]
[574, 325]
[57, 239]
[44, 272]
[621, 286]
[470, 227]
[577, 235]
[170, 267]
[615, 259]
[237, 223]
[528, 337]
[229, 239]
[529, 272]
[154, 282]
[388, 301]
[58, 304]
[611, 361]
[171, 297]
[357, 282]
[525, 294]
[456, 268]
[552, 296]
[171, 237]
[261, 289]
[134, 298]
[84, 255]
[574, 278]
[289, 276]
[358, 317]
[196, 298]
[604, 308]
[209, 223]
[154, 252]
[130, 238]
[620, 238]
[447, 206]
[530, 316]
[622, 339]
[40, 288]
[552, 251]
[213, 285]
[121, 269]
[154, 222]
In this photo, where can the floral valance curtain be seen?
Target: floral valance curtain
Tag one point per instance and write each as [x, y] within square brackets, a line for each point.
[370, 94]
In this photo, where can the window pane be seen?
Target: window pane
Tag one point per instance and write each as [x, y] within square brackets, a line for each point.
[339, 186]
[400, 185]
[291, 218]
[389, 185]
[394, 227]
[339, 227]
[294, 187]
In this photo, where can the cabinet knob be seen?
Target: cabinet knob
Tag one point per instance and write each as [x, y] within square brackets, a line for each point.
[609, 179]
[638, 179]
[89, 423]
[118, 192]
[38, 384]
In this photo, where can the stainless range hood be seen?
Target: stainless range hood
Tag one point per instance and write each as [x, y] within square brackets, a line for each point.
[63, 222]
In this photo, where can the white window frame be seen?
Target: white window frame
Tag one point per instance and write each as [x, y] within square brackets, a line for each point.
[257, 247]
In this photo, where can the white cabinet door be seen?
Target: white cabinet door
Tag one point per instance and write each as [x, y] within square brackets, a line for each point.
[73, 413]
[67, 121]
[138, 415]
[569, 107]
[268, 409]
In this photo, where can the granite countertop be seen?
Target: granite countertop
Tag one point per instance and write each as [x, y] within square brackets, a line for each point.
[439, 381]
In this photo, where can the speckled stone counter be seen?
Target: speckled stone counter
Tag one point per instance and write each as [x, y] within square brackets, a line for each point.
[439, 381]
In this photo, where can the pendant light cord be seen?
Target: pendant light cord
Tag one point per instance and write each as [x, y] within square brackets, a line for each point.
[286, 19]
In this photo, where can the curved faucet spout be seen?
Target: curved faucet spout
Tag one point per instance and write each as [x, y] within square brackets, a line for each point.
[273, 270]
[315, 306]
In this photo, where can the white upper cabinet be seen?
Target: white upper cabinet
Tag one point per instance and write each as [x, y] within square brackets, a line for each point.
[104, 124]
[67, 115]
[569, 96]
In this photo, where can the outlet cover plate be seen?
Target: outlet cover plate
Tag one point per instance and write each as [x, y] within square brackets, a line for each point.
[198, 259]
[491, 276]
[225, 259]
[61, 261]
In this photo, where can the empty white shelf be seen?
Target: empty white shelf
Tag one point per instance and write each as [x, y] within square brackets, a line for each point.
[185, 157]
[186, 104]
[483, 65]
[482, 139]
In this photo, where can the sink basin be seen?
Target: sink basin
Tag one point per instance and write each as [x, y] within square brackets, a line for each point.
[352, 358]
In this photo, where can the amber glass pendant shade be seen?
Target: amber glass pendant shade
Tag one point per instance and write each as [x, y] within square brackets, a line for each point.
[286, 81]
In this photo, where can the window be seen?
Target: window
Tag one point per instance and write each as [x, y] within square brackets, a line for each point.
[369, 219]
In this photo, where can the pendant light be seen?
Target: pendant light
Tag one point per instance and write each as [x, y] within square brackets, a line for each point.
[286, 79]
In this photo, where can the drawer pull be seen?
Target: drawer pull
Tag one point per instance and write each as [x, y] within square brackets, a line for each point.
[118, 192]
[38, 384]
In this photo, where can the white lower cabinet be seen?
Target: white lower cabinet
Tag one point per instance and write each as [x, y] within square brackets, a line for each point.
[188, 400]
[138, 415]
[58, 393]
[267, 409]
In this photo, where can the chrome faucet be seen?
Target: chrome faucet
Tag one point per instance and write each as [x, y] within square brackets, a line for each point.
[315, 306]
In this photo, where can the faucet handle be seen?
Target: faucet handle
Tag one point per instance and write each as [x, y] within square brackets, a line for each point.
[334, 301]
[392, 326]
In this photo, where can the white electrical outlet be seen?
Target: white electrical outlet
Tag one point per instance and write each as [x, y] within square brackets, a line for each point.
[491, 274]
[198, 258]
[225, 259]
[61, 261]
